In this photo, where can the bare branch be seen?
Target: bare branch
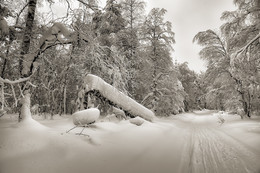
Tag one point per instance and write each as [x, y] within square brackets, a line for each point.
[14, 95]
[18, 15]
[34, 86]
[146, 97]
[92, 7]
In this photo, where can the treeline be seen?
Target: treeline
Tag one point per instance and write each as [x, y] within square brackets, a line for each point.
[128, 49]
[120, 43]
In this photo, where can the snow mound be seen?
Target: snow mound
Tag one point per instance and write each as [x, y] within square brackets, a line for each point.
[86, 116]
[120, 99]
[30, 123]
[137, 121]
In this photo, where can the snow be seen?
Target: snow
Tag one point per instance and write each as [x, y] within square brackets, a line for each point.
[137, 121]
[128, 104]
[86, 116]
[190, 142]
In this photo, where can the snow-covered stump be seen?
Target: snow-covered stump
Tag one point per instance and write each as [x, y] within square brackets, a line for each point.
[86, 117]
[116, 98]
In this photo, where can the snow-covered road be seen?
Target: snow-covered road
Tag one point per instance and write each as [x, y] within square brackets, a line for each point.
[212, 149]
[188, 143]
[203, 145]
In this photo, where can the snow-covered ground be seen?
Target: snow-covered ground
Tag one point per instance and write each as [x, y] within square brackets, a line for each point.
[193, 142]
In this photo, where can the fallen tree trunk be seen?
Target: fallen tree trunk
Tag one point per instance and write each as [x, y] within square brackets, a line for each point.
[108, 93]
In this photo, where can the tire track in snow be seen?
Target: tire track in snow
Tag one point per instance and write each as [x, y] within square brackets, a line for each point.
[211, 150]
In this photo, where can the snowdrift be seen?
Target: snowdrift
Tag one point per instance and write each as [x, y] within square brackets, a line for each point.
[117, 98]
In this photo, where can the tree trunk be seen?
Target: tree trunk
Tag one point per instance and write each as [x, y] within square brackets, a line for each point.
[27, 35]
[64, 99]
[249, 106]
[24, 70]
[2, 95]
[25, 109]
[244, 102]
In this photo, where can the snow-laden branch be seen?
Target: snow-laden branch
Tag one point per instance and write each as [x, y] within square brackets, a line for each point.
[14, 95]
[92, 7]
[159, 75]
[146, 97]
[19, 14]
[247, 45]
[14, 81]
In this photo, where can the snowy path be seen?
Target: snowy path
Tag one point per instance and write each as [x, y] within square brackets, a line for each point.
[211, 150]
[188, 143]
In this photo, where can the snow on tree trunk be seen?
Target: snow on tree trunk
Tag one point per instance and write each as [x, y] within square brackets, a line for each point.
[26, 58]
[25, 109]
[95, 83]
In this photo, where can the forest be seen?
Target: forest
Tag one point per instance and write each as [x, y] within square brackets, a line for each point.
[48, 57]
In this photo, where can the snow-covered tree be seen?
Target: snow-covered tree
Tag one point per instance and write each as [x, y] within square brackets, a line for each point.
[189, 80]
[129, 38]
[158, 70]
[31, 53]
[235, 55]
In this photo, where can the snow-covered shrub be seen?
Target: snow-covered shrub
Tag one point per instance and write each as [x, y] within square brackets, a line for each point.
[221, 120]
[241, 112]
[86, 116]
[118, 113]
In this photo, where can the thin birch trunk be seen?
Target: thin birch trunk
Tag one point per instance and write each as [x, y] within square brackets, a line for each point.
[64, 99]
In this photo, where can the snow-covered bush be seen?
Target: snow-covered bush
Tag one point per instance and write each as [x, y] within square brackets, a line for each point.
[120, 114]
[86, 116]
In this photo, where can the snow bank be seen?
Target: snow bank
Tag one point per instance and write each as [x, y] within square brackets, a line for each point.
[86, 116]
[163, 146]
[111, 93]
[30, 124]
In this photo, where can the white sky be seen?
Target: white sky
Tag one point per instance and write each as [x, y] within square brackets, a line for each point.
[188, 17]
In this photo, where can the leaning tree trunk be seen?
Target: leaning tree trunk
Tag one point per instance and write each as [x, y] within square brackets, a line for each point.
[25, 71]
